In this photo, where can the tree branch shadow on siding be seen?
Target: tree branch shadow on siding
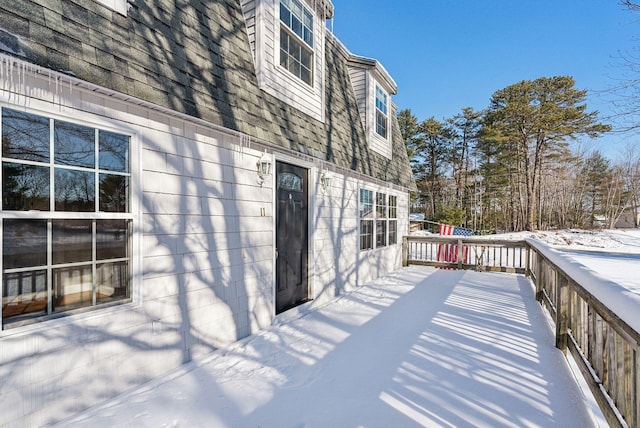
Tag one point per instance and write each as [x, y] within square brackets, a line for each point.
[89, 362]
[360, 158]
[101, 361]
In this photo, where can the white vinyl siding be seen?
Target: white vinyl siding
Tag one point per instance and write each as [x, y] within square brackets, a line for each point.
[249, 13]
[371, 95]
[203, 251]
[358, 77]
[377, 142]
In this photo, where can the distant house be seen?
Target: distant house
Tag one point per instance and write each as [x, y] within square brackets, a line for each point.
[600, 220]
[629, 218]
[174, 176]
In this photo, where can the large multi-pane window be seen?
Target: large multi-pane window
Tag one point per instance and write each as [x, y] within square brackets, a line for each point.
[378, 219]
[296, 39]
[66, 216]
[381, 112]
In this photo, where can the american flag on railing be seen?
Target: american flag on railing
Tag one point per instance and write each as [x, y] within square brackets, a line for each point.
[449, 252]
[462, 231]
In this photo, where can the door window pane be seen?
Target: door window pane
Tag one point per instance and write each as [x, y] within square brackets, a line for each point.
[71, 241]
[74, 145]
[290, 181]
[24, 243]
[74, 190]
[25, 136]
[25, 187]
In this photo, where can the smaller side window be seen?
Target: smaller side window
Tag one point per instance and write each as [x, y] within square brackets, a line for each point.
[378, 219]
[393, 223]
[366, 219]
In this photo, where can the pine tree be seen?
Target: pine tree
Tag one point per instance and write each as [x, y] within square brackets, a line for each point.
[532, 121]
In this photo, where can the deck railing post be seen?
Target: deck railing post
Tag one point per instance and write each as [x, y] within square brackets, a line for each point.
[636, 388]
[460, 252]
[405, 251]
[562, 311]
[539, 277]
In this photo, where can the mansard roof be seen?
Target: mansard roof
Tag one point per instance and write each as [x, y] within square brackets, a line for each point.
[194, 57]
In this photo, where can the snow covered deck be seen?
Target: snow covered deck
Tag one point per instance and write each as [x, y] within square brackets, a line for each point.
[419, 347]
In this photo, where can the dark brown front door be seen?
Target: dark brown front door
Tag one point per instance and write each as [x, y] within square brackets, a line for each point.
[291, 236]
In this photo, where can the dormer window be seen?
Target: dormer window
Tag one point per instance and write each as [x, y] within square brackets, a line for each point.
[373, 88]
[288, 43]
[296, 40]
[381, 112]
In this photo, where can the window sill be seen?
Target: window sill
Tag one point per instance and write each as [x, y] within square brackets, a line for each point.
[65, 318]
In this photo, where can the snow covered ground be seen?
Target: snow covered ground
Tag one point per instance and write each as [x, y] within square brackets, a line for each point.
[616, 240]
[606, 263]
[419, 347]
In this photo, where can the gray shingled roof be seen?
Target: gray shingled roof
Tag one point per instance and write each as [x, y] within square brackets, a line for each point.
[193, 57]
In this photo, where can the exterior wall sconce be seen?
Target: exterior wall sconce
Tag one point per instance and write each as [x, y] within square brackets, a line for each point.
[325, 180]
[265, 165]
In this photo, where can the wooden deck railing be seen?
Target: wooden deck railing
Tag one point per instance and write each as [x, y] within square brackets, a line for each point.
[604, 346]
[465, 253]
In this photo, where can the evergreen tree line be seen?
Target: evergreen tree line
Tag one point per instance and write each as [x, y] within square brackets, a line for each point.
[511, 167]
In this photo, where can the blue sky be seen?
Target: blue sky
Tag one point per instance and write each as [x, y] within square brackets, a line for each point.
[445, 55]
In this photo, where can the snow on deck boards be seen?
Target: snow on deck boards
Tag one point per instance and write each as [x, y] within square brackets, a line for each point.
[419, 347]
